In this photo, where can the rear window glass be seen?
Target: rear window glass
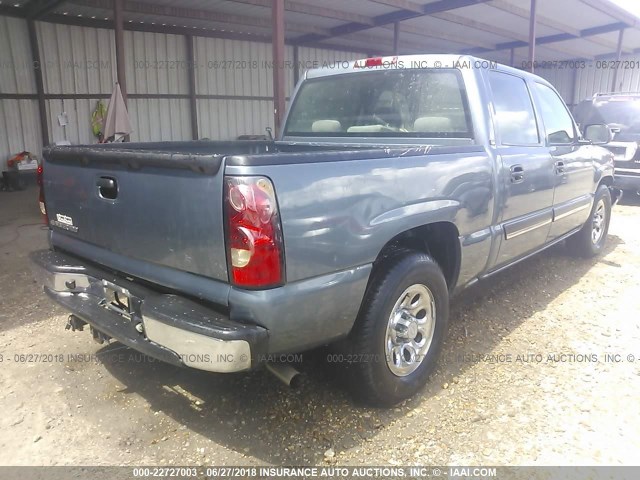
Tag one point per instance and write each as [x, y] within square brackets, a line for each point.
[407, 103]
[621, 112]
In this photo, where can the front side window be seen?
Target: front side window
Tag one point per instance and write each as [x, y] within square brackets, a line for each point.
[557, 121]
[514, 116]
[398, 103]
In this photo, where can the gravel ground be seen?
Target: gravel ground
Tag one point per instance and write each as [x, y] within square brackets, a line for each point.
[524, 379]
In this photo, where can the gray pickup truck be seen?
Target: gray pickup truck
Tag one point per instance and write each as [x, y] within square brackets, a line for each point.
[394, 184]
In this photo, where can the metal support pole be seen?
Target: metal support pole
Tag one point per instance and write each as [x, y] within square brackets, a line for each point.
[396, 38]
[572, 100]
[532, 35]
[119, 27]
[618, 57]
[296, 64]
[277, 43]
[193, 104]
[37, 73]
[512, 57]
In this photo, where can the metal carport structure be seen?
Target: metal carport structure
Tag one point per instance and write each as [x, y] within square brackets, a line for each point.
[516, 32]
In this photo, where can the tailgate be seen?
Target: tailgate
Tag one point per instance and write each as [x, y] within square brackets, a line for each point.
[158, 207]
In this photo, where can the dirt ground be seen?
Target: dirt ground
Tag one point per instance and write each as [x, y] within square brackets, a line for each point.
[524, 380]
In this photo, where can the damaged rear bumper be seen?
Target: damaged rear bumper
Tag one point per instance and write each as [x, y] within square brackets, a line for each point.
[165, 326]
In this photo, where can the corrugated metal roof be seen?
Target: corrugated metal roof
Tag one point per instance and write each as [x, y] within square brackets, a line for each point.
[565, 29]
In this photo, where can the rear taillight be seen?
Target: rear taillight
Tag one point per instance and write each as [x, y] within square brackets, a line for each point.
[43, 208]
[254, 235]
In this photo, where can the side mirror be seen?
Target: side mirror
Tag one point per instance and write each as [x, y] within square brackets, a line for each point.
[598, 134]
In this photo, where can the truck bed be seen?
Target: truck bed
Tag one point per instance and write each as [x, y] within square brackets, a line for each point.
[166, 205]
[166, 208]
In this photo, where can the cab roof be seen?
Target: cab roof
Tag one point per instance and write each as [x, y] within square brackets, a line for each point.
[416, 61]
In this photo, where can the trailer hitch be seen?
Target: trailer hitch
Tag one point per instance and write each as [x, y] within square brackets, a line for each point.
[74, 323]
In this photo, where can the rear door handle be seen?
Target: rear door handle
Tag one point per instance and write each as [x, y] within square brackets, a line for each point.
[559, 167]
[517, 174]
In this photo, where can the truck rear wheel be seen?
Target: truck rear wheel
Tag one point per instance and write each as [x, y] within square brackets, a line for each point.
[398, 336]
[590, 240]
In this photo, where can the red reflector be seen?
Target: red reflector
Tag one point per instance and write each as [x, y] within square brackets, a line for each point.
[254, 237]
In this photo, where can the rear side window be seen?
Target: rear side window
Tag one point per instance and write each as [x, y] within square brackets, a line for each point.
[557, 121]
[514, 117]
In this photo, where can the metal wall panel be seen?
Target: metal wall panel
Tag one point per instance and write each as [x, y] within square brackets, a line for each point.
[156, 63]
[562, 79]
[16, 66]
[79, 61]
[629, 78]
[19, 129]
[152, 119]
[76, 60]
[234, 68]
[592, 80]
[597, 77]
[228, 119]
[159, 119]
[78, 113]
[19, 121]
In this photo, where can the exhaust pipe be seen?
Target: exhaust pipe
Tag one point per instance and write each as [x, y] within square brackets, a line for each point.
[285, 373]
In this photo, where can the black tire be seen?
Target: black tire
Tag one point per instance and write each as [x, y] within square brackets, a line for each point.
[368, 374]
[583, 243]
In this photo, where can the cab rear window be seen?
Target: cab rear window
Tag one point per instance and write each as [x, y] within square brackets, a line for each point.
[399, 103]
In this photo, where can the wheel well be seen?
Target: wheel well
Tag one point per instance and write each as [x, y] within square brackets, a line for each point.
[608, 181]
[616, 193]
[440, 240]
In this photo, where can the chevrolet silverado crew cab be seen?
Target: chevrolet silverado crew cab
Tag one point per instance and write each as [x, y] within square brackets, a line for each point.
[394, 184]
[621, 111]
